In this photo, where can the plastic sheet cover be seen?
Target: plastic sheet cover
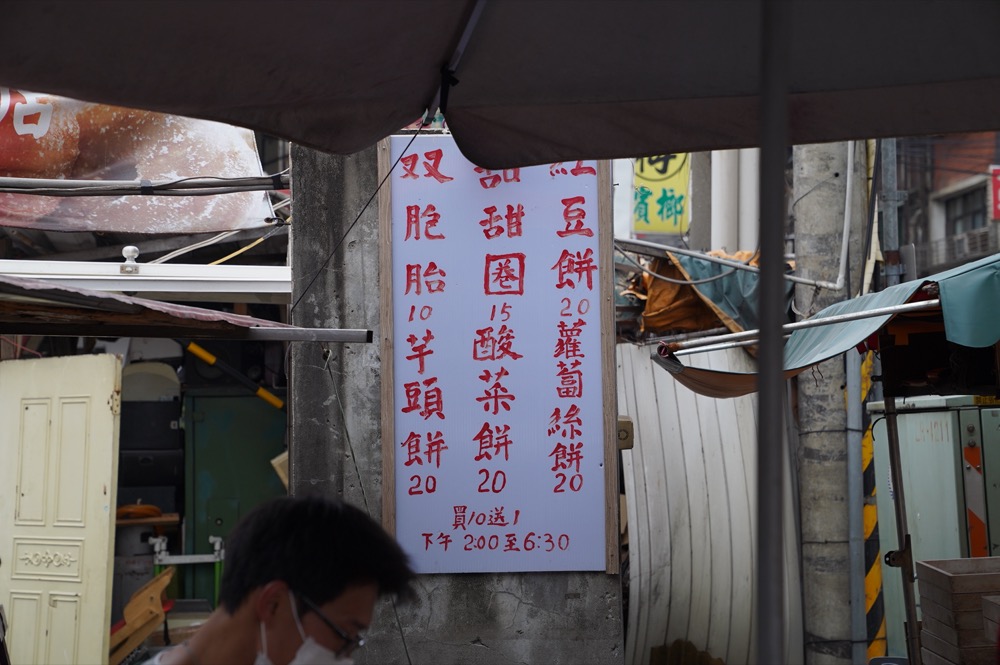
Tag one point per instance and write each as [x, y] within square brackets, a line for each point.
[47, 136]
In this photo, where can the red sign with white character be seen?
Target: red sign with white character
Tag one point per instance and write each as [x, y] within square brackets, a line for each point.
[498, 401]
[995, 189]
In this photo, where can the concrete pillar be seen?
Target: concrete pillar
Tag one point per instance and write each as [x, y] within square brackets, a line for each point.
[700, 202]
[333, 388]
[623, 184]
[480, 619]
[725, 199]
[749, 199]
[818, 200]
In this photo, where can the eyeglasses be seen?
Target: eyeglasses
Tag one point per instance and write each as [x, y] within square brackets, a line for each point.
[350, 643]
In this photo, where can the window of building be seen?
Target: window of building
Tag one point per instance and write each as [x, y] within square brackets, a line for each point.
[965, 211]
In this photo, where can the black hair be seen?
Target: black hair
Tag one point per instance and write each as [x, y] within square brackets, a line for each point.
[318, 546]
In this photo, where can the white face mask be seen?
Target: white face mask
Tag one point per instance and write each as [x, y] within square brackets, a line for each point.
[310, 653]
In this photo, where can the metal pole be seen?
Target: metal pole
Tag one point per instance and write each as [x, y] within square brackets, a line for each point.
[903, 557]
[770, 597]
[751, 336]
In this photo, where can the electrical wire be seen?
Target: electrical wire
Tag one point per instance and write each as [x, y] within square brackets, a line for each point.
[187, 186]
[349, 228]
[198, 245]
[277, 226]
[685, 282]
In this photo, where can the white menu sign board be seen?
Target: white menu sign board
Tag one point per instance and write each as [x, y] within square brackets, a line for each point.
[498, 416]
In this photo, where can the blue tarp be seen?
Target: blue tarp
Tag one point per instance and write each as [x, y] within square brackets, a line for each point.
[970, 309]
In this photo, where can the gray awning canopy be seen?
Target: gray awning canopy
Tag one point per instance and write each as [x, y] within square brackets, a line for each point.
[34, 307]
[968, 313]
[341, 75]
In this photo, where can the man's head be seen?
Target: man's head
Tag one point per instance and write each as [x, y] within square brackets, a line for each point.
[317, 546]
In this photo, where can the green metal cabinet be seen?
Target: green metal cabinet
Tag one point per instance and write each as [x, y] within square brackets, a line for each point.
[230, 438]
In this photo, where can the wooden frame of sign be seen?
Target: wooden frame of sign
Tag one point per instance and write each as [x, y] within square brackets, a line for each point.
[488, 347]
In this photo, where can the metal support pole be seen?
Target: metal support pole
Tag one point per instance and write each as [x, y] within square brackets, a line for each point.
[770, 599]
[903, 557]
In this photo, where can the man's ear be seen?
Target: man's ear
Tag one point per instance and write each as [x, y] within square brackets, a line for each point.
[269, 598]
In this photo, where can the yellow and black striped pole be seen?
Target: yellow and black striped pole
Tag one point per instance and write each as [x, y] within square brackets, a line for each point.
[874, 603]
[208, 358]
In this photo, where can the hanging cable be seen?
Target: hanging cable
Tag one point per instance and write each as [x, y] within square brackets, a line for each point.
[349, 228]
[691, 282]
[198, 245]
[278, 225]
[189, 186]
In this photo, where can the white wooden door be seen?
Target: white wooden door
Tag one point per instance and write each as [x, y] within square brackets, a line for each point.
[58, 470]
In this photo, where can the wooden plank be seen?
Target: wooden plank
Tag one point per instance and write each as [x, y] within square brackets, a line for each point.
[991, 629]
[975, 575]
[959, 602]
[388, 411]
[960, 619]
[606, 274]
[967, 656]
[991, 608]
[966, 637]
[931, 658]
[606, 262]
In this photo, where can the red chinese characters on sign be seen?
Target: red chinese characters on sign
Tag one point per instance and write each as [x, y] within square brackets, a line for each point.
[503, 542]
[567, 454]
[559, 168]
[530, 358]
[568, 342]
[575, 268]
[567, 425]
[496, 517]
[424, 398]
[425, 220]
[420, 348]
[567, 457]
[495, 397]
[443, 539]
[431, 449]
[431, 164]
[495, 224]
[490, 345]
[573, 216]
[494, 441]
[504, 274]
[420, 278]
[570, 380]
[489, 179]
